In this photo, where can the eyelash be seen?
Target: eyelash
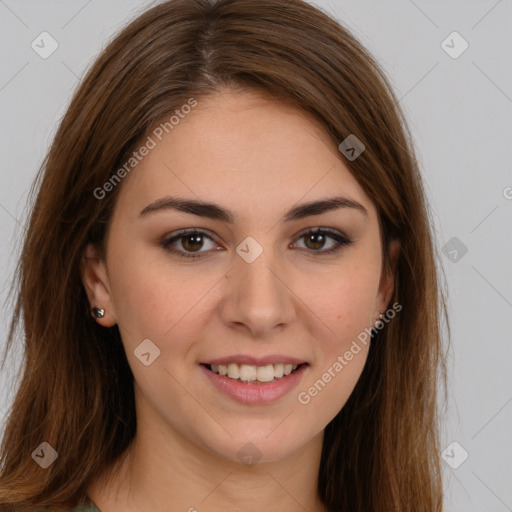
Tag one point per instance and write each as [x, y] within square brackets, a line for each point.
[341, 240]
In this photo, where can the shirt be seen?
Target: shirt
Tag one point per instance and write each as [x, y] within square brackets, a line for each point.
[87, 507]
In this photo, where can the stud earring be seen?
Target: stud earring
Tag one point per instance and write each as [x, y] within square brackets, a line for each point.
[377, 320]
[98, 312]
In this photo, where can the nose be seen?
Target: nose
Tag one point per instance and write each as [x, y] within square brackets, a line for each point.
[257, 298]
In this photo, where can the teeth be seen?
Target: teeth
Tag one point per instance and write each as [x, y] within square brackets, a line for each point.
[233, 371]
[248, 373]
[251, 373]
[265, 373]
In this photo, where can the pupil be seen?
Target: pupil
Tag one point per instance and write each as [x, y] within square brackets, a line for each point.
[318, 240]
[195, 240]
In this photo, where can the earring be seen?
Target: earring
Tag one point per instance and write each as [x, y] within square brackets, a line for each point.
[378, 319]
[98, 312]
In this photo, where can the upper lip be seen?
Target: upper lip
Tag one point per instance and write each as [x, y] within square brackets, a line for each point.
[256, 361]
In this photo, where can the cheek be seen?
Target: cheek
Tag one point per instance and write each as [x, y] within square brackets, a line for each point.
[346, 305]
[153, 300]
[322, 397]
[347, 299]
[340, 360]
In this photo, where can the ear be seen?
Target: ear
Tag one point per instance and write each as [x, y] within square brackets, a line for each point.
[96, 283]
[387, 280]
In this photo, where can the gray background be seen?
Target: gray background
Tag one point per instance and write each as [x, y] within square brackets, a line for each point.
[459, 110]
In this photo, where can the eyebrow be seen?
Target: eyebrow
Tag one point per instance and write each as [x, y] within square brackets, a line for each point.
[216, 212]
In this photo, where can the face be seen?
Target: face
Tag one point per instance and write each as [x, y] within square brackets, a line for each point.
[256, 283]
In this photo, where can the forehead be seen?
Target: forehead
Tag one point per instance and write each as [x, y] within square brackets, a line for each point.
[244, 150]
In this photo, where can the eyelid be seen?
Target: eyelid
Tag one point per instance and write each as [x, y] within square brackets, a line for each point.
[340, 238]
[167, 240]
[323, 230]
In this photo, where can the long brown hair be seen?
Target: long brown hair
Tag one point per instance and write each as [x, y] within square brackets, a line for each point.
[380, 452]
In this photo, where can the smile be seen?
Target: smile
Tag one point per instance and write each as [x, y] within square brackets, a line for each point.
[253, 373]
[252, 384]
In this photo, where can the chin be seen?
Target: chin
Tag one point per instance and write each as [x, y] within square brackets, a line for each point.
[259, 445]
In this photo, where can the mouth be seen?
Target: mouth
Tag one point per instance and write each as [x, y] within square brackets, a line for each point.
[254, 374]
[255, 384]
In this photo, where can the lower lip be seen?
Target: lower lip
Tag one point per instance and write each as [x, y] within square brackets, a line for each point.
[255, 393]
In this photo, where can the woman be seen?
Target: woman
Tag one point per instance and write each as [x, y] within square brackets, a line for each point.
[228, 286]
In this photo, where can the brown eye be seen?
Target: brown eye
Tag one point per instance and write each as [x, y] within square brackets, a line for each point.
[187, 242]
[192, 242]
[315, 241]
